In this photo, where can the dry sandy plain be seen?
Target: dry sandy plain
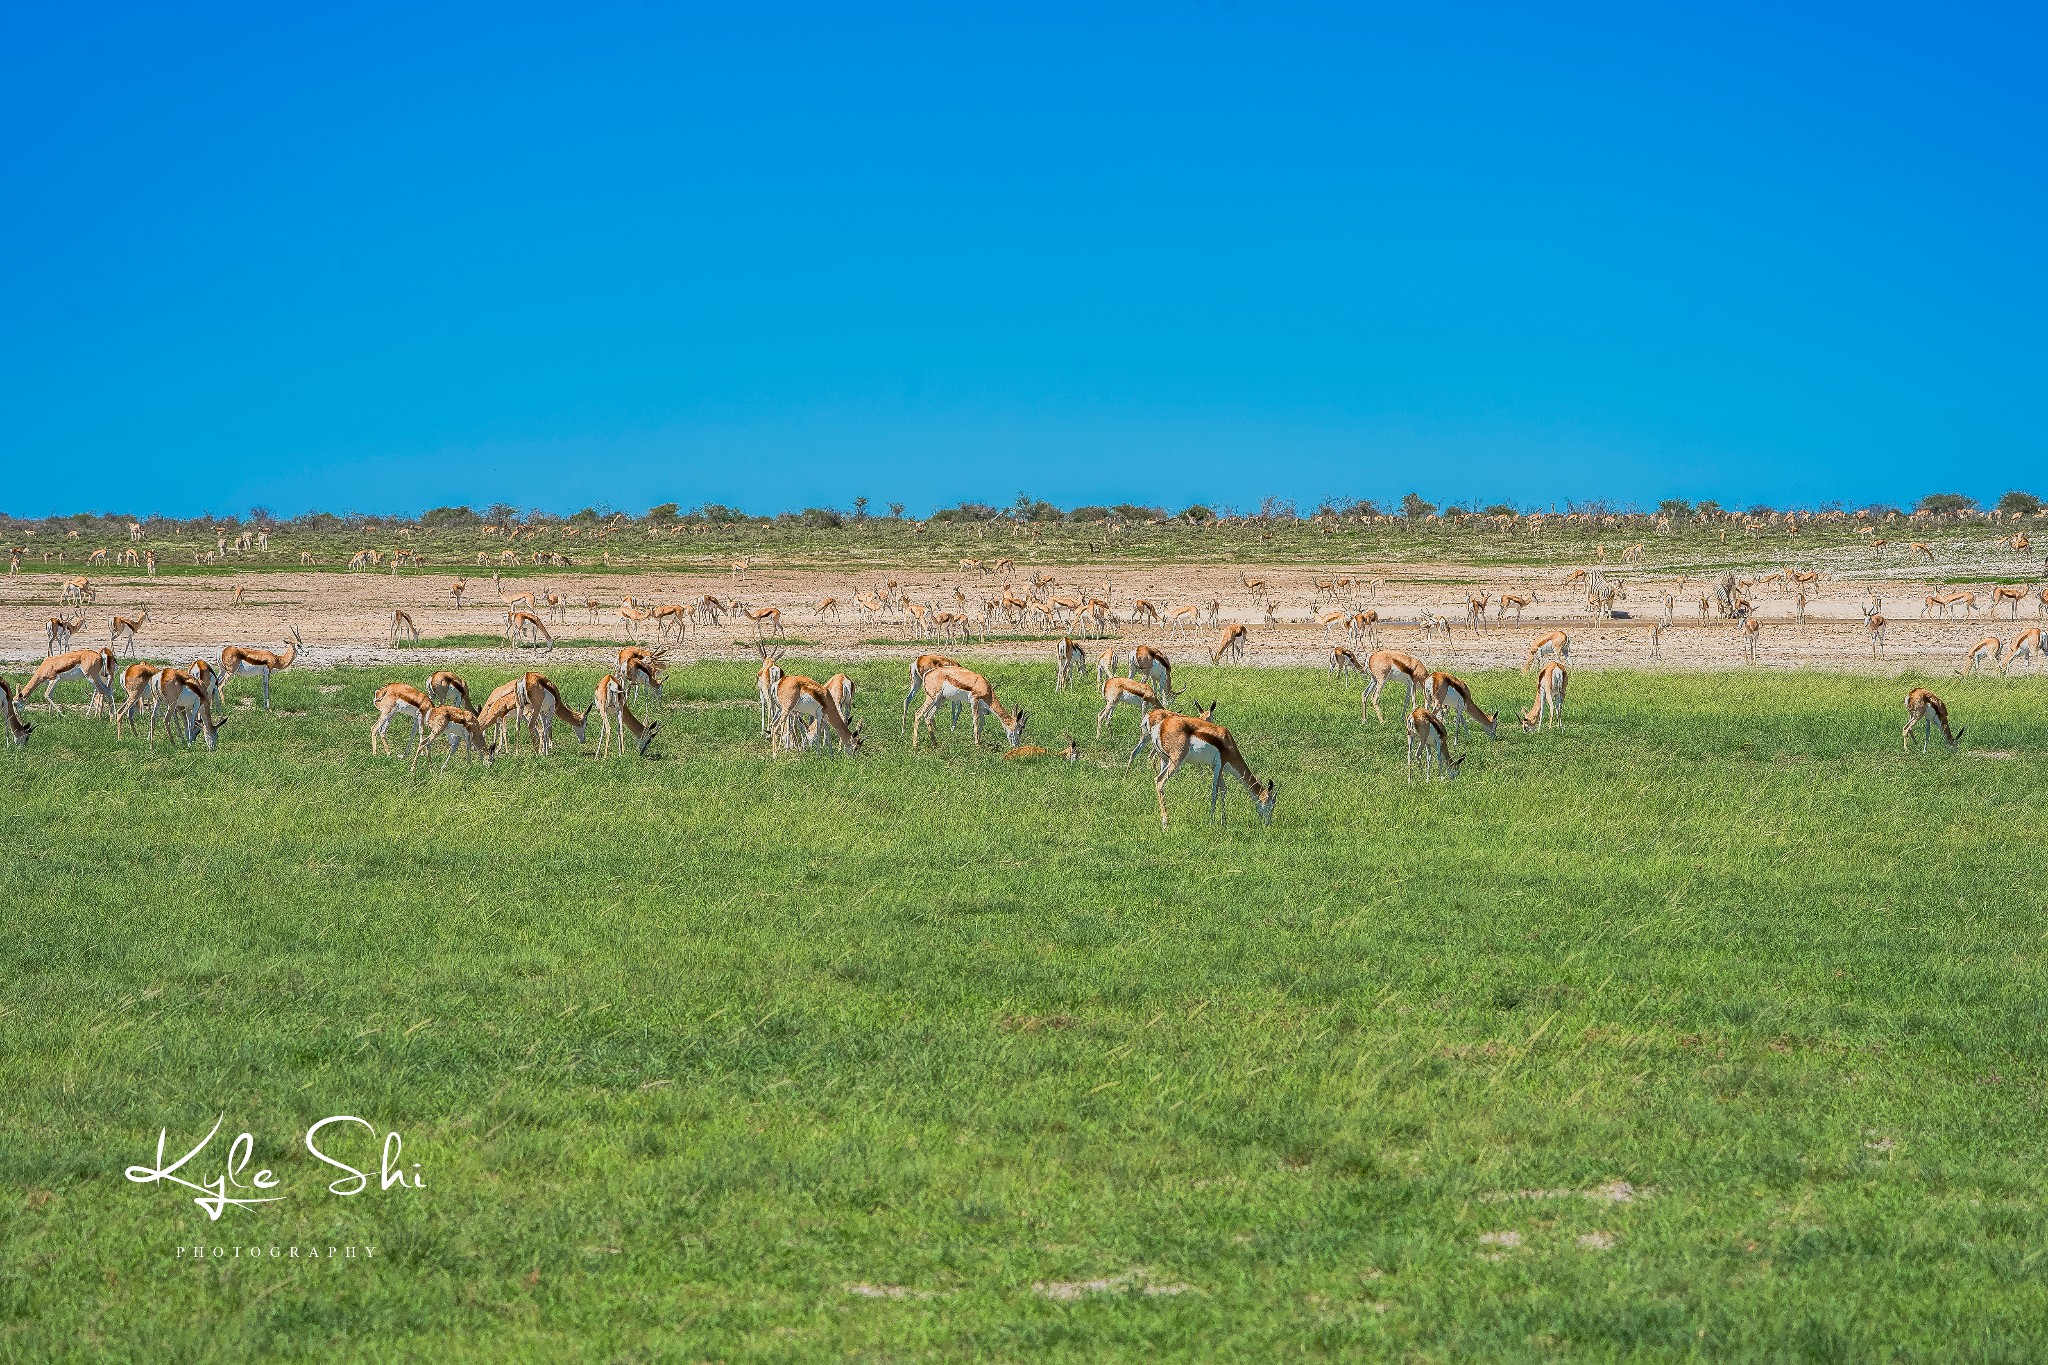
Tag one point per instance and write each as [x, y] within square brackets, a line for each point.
[345, 618]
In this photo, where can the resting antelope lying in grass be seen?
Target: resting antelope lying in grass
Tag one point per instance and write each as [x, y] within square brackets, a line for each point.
[955, 684]
[1426, 737]
[1179, 738]
[1924, 709]
[1023, 751]
[1549, 703]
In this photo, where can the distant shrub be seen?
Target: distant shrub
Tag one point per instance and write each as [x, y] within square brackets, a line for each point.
[2018, 504]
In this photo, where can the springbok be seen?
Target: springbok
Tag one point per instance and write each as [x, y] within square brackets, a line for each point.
[464, 730]
[1924, 709]
[403, 630]
[396, 699]
[921, 665]
[1179, 738]
[1067, 657]
[1990, 645]
[799, 700]
[1132, 692]
[18, 728]
[1451, 699]
[130, 626]
[178, 691]
[1426, 737]
[1232, 642]
[1149, 663]
[613, 713]
[954, 683]
[1549, 703]
[1557, 644]
[94, 667]
[238, 659]
[443, 685]
[2027, 643]
[58, 631]
[1379, 666]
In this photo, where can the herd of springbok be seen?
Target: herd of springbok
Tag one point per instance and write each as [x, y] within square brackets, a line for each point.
[798, 712]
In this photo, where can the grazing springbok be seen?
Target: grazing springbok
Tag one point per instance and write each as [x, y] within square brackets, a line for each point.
[1068, 656]
[1990, 645]
[443, 685]
[1924, 709]
[178, 691]
[956, 684]
[403, 630]
[541, 703]
[1451, 699]
[399, 699]
[921, 665]
[1382, 664]
[1427, 739]
[93, 667]
[463, 729]
[525, 628]
[1549, 703]
[1343, 661]
[2027, 643]
[613, 713]
[1555, 644]
[1132, 692]
[800, 701]
[1179, 738]
[138, 684]
[1150, 664]
[238, 659]
[18, 728]
[639, 668]
[1232, 643]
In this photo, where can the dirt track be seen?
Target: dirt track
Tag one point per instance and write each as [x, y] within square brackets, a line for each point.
[345, 617]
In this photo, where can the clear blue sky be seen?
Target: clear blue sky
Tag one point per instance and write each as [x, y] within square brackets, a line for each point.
[368, 258]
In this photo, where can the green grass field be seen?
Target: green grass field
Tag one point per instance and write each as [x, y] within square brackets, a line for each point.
[1710, 1027]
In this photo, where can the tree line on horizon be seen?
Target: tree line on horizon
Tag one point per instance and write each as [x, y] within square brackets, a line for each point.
[1412, 507]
